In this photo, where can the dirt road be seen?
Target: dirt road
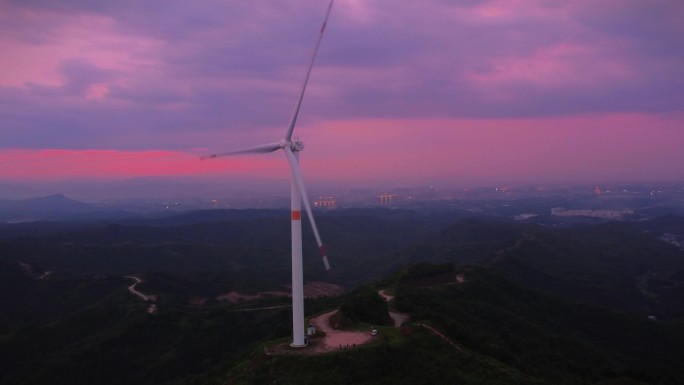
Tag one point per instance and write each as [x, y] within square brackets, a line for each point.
[147, 298]
[398, 318]
[337, 339]
[386, 296]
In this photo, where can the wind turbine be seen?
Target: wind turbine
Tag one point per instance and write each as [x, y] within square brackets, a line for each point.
[291, 148]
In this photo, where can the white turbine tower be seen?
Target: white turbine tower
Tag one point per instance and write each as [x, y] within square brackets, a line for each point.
[298, 195]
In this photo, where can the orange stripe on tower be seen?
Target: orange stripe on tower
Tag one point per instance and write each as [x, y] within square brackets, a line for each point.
[296, 215]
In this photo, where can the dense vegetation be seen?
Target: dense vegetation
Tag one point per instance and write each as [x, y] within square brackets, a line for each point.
[557, 339]
[365, 305]
[76, 330]
[495, 331]
[221, 240]
[534, 305]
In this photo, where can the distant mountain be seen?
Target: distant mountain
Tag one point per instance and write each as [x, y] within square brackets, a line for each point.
[33, 209]
[208, 217]
[44, 208]
[55, 207]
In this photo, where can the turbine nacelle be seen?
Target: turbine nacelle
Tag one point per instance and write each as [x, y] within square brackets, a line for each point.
[294, 145]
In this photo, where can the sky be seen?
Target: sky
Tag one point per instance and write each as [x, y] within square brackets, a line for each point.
[432, 92]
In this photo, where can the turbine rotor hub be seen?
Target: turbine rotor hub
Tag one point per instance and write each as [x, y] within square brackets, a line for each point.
[294, 145]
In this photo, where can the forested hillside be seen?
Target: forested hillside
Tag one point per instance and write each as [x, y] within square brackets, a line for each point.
[534, 304]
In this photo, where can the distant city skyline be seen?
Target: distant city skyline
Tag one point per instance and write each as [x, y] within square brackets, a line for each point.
[517, 202]
[203, 191]
[121, 98]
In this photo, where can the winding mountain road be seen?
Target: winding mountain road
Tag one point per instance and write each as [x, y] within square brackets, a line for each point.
[398, 318]
[147, 298]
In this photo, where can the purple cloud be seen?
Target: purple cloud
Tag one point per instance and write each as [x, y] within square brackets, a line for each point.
[180, 75]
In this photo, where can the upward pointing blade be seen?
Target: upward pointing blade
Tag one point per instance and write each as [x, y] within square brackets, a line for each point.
[297, 177]
[264, 148]
[293, 119]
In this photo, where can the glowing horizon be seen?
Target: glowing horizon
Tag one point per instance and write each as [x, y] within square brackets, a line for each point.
[480, 92]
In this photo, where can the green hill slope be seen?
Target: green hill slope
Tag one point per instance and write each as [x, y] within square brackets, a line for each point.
[612, 264]
[546, 336]
[490, 330]
[538, 305]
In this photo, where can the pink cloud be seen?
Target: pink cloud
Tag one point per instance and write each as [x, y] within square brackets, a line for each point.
[56, 164]
[442, 152]
[562, 66]
[35, 58]
[587, 148]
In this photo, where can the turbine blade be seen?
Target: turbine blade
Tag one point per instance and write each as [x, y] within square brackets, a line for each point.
[297, 177]
[265, 148]
[293, 119]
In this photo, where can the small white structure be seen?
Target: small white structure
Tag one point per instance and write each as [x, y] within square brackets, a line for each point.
[311, 330]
